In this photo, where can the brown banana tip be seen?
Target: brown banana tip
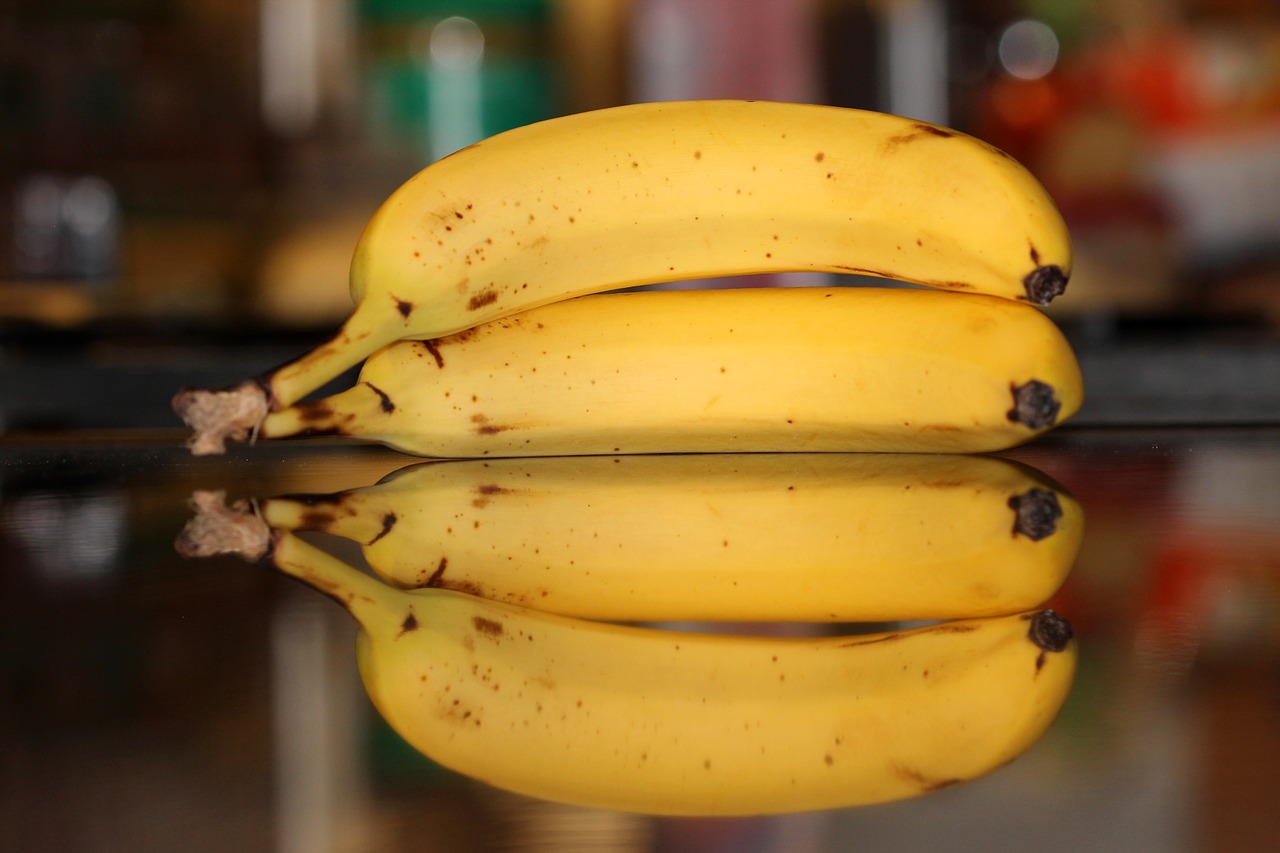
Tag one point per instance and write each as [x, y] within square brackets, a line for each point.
[1035, 405]
[1049, 631]
[1044, 283]
[219, 416]
[217, 528]
[1036, 513]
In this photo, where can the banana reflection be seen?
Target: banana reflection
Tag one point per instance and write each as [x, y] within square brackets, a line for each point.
[504, 660]
[666, 722]
[749, 537]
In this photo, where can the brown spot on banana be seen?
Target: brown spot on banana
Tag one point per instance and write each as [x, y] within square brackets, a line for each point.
[321, 521]
[434, 351]
[472, 588]
[921, 130]
[485, 491]
[386, 403]
[388, 521]
[404, 306]
[920, 780]
[319, 419]
[488, 627]
[483, 427]
[410, 623]
[439, 581]
[485, 297]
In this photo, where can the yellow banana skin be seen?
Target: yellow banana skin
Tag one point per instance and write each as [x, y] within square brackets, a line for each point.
[768, 369]
[663, 722]
[659, 192]
[751, 537]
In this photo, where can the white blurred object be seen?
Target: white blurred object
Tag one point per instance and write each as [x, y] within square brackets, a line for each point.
[915, 60]
[290, 62]
[91, 214]
[307, 66]
[452, 59]
[1224, 189]
[1028, 49]
[66, 227]
[69, 540]
[317, 708]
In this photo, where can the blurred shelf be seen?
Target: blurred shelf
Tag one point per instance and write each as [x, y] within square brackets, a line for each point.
[1178, 371]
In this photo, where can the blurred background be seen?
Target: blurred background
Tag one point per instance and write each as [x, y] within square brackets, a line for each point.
[182, 181]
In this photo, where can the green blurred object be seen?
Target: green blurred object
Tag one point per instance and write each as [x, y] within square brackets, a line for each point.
[531, 11]
[440, 75]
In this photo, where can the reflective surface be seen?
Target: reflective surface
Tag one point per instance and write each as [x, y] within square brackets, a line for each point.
[156, 703]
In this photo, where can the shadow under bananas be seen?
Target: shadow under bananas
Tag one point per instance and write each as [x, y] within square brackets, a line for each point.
[499, 637]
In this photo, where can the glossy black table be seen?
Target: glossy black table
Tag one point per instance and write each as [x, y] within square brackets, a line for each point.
[154, 703]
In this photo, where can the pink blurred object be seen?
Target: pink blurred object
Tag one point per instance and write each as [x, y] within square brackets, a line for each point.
[750, 49]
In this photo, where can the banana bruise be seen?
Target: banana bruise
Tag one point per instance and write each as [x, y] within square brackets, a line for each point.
[752, 537]
[789, 369]
[648, 193]
[681, 723]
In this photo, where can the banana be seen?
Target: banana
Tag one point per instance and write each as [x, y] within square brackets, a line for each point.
[763, 369]
[655, 192]
[666, 722]
[753, 537]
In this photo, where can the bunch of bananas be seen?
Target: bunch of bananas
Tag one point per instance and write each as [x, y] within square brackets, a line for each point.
[617, 460]
[463, 258]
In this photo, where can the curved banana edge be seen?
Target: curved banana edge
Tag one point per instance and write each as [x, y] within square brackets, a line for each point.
[741, 537]
[679, 723]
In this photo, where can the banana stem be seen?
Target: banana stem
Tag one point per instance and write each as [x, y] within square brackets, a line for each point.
[218, 528]
[221, 528]
[325, 514]
[367, 599]
[369, 328]
[345, 413]
[237, 413]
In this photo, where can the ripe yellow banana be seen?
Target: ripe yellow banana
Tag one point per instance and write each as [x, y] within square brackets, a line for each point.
[667, 722]
[767, 369]
[664, 191]
[751, 537]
